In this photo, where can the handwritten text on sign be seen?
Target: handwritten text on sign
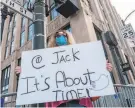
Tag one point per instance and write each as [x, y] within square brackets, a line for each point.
[64, 73]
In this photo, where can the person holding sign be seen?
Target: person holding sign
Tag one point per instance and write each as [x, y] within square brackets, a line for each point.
[62, 38]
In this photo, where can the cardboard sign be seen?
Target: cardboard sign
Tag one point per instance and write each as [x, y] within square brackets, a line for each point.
[64, 73]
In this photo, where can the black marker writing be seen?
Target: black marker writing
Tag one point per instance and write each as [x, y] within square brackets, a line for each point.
[48, 86]
[77, 81]
[71, 93]
[88, 74]
[57, 53]
[36, 61]
[86, 80]
[74, 55]
[36, 84]
[56, 96]
[27, 84]
[79, 92]
[88, 93]
[61, 57]
[61, 78]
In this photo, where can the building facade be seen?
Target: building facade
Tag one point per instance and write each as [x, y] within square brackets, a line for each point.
[93, 18]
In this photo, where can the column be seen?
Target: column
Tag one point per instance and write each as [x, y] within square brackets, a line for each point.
[81, 24]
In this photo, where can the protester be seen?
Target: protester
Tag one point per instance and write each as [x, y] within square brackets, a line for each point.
[61, 38]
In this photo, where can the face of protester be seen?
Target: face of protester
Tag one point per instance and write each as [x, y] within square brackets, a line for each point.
[61, 39]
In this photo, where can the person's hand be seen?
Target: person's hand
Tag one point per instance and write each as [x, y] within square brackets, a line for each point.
[108, 66]
[18, 70]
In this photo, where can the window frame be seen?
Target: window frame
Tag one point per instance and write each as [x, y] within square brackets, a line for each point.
[52, 4]
[126, 79]
[30, 24]
[17, 79]
[6, 49]
[13, 36]
[5, 79]
[22, 31]
[68, 28]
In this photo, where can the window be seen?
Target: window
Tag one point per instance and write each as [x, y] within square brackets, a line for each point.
[8, 36]
[99, 37]
[118, 55]
[10, 25]
[113, 80]
[23, 24]
[25, 3]
[29, 5]
[53, 12]
[22, 38]
[68, 28]
[12, 46]
[19, 64]
[13, 35]
[98, 34]
[5, 80]
[30, 31]
[126, 78]
[9, 29]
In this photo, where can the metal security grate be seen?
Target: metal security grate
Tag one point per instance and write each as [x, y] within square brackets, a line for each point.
[124, 97]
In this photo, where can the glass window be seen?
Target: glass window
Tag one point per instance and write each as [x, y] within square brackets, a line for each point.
[12, 47]
[10, 25]
[13, 35]
[54, 13]
[8, 35]
[28, 3]
[19, 64]
[22, 39]
[113, 80]
[68, 28]
[98, 34]
[5, 80]
[31, 31]
[126, 78]
[25, 3]
[23, 24]
[32, 1]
